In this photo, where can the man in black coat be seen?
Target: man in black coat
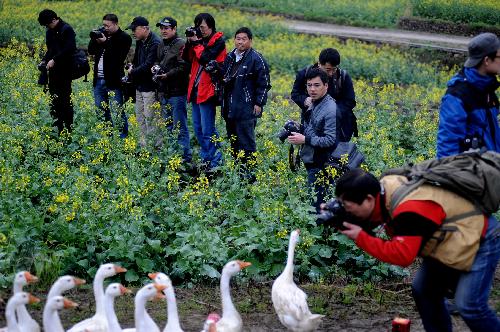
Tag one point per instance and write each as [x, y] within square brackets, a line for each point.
[246, 82]
[61, 45]
[110, 47]
[340, 88]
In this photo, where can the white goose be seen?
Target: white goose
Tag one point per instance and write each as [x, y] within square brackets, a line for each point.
[24, 320]
[173, 324]
[289, 301]
[112, 291]
[98, 323]
[63, 284]
[144, 322]
[231, 319]
[51, 321]
[18, 299]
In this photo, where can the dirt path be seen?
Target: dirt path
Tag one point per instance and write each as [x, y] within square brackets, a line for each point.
[451, 43]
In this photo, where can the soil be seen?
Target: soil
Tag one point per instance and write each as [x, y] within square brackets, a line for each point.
[350, 308]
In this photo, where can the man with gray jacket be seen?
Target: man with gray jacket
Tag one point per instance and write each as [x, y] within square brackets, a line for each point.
[319, 136]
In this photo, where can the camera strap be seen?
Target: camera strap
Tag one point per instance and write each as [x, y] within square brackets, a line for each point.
[293, 159]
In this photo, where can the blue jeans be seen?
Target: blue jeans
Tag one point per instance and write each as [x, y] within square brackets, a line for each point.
[204, 130]
[175, 110]
[472, 288]
[101, 98]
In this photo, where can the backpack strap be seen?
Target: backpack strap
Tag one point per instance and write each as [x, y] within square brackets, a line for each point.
[404, 190]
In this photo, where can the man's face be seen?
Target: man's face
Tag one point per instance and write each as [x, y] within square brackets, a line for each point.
[110, 27]
[140, 32]
[242, 42]
[328, 68]
[205, 30]
[316, 88]
[52, 24]
[167, 32]
[494, 64]
[360, 212]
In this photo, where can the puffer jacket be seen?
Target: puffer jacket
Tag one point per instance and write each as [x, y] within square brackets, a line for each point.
[320, 133]
[456, 121]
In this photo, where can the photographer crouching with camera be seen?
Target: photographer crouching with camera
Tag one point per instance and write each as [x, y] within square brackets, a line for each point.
[204, 44]
[171, 74]
[110, 45]
[426, 222]
[319, 134]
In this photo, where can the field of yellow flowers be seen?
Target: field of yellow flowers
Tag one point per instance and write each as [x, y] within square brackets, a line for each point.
[68, 204]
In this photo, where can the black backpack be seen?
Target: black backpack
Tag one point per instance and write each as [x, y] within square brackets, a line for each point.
[81, 66]
[473, 175]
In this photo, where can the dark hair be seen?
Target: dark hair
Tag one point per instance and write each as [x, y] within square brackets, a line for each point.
[317, 72]
[244, 30]
[110, 17]
[330, 55]
[46, 16]
[355, 185]
[209, 19]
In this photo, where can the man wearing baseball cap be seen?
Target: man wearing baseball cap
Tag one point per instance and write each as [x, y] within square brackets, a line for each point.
[172, 82]
[468, 117]
[140, 72]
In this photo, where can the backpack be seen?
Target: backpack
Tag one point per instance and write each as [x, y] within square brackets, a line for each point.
[81, 66]
[472, 175]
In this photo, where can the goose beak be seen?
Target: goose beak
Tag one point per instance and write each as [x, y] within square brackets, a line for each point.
[30, 278]
[244, 264]
[124, 290]
[79, 282]
[159, 287]
[33, 299]
[153, 276]
[69, 304]
[119, 269]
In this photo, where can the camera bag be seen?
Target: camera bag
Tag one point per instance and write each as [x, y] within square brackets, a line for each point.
[346, 155]
[81, 66]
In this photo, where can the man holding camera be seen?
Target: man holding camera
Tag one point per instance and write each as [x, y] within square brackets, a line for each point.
[172, 79]
[245, 85]
[140, 73]
[340, 88]
[468, 116]
[411, 219]
[110, 45]
[61, 45]
[319, 136]
[204, 44]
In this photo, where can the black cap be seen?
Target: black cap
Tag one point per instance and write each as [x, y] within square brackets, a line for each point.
[481, 46]
[167, 22]
[138, 21]
[46, 16]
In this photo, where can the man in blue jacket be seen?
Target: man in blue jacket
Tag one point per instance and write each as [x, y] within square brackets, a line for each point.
[468, 117]
[245, 85]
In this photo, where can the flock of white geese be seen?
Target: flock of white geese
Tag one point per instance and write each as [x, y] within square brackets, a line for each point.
[289, 301]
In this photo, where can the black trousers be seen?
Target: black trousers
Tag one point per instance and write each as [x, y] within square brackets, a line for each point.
[241, 134]
[61, 107]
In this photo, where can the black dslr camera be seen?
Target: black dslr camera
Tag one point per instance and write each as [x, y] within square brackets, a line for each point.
[193, 31]
[334, 214]
[97, 33]
[43, 79]
[289, 127]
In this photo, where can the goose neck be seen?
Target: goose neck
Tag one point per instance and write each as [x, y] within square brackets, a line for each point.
[228, 307]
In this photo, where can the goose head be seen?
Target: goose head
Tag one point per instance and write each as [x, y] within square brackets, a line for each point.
[160, 278]
[24, 277]
[295, 237]
[151, 291]
[58, 302]
[116, 289]
[22, 298]
[66, 283]
[109, 270]
[233, 267]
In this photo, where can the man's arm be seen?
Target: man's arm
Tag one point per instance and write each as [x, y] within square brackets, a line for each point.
[125, 43]
[347, 99]
[145, 68]
[329, 137]
[452, 126]
[299, 92]
[68, 47]
[262, 80]
[210, 52]
[180, 66]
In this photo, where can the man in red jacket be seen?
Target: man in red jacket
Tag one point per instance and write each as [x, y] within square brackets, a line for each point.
[410, 223]
[204, 44]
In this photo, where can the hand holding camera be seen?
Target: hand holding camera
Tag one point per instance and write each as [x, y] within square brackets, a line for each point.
[98, 34]
[193, 33]
[287, 130]
[158, 73]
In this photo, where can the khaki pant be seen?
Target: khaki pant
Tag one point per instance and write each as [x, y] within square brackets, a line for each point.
[147, 117]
